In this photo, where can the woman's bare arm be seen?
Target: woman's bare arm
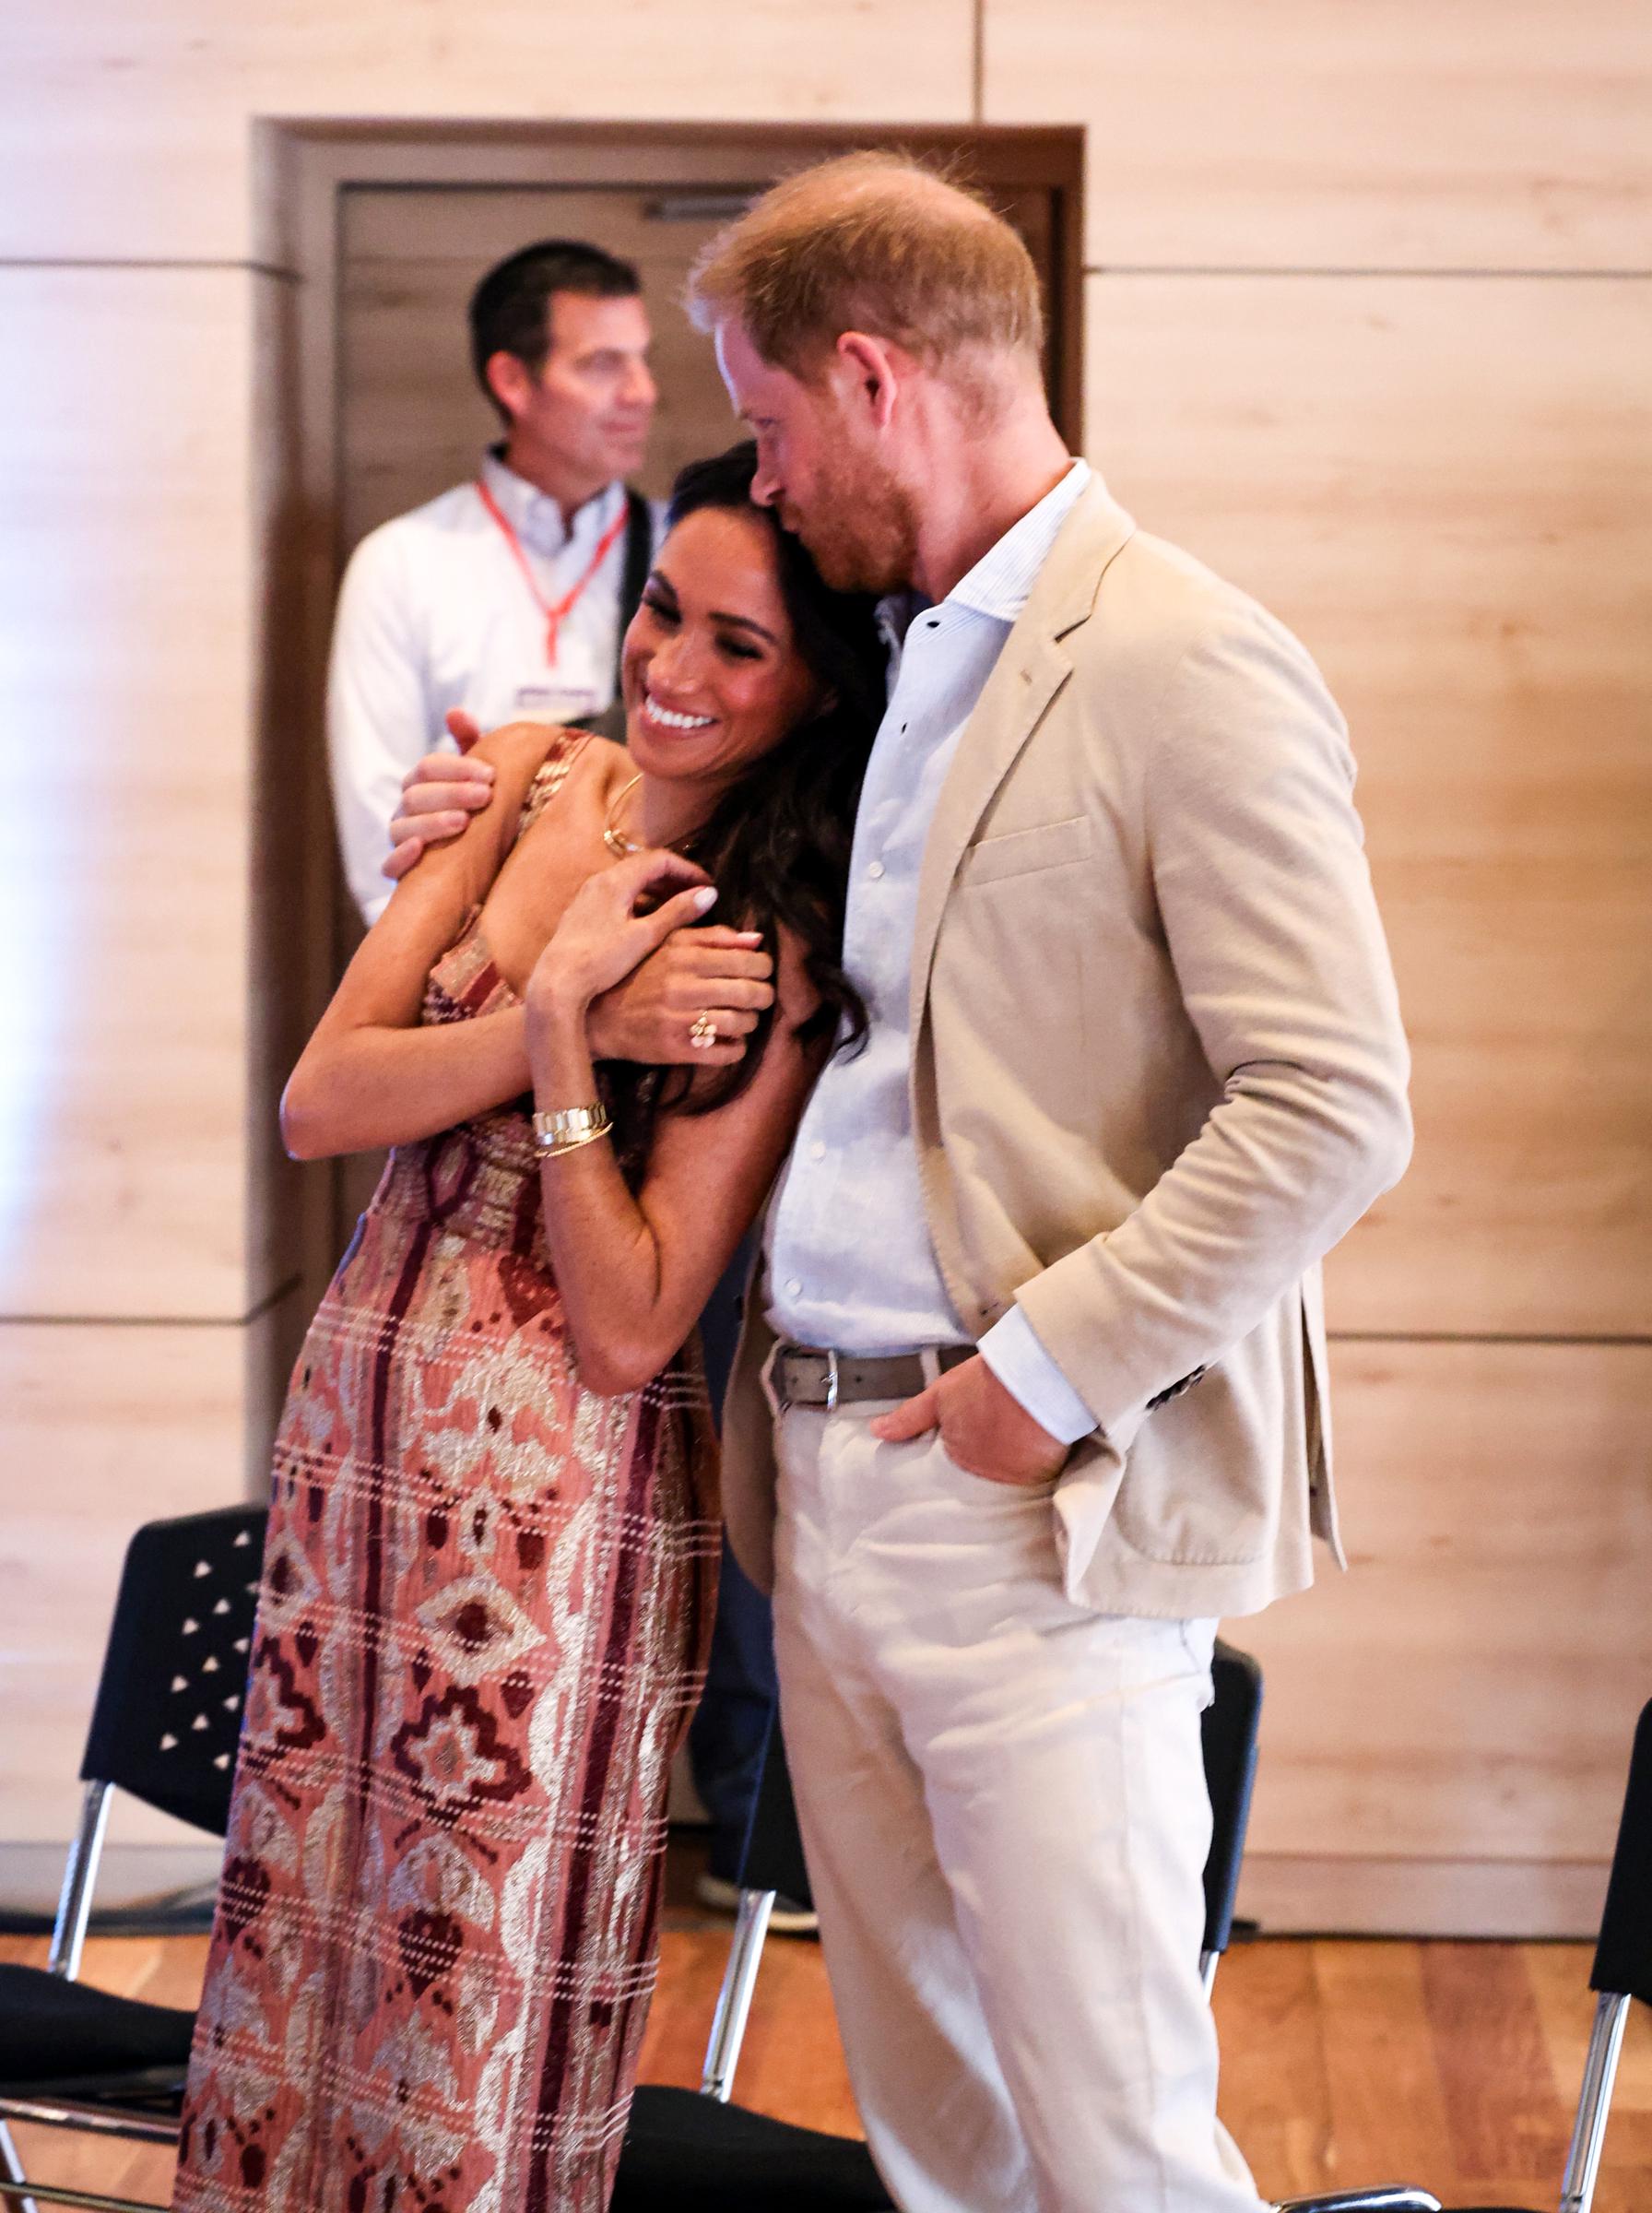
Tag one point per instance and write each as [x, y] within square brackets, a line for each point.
[635, 1272]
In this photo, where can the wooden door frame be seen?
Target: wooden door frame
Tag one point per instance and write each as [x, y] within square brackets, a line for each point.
[303, 170]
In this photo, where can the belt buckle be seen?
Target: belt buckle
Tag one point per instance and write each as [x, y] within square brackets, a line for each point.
[831, 1381]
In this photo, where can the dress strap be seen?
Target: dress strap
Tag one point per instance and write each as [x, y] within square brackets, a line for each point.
[551, 775]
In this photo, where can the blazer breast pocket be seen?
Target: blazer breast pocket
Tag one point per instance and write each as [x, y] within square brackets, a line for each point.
[1024, 852]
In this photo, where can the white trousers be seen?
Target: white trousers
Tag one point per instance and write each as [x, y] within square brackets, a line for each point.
[1003, 1804]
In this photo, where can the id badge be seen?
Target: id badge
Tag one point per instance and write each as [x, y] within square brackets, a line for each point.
[553, 703]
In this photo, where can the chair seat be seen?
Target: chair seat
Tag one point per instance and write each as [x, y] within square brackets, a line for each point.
[686, 2152]
[72, 2040]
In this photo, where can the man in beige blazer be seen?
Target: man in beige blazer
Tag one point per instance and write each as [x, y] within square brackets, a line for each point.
[1032, 1389]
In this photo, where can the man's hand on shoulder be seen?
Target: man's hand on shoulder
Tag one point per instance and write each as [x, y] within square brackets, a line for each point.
[650, 1015]
[982, 1426]
[440, 793]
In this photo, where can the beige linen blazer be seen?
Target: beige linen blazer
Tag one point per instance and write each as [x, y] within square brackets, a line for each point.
[1157, 1068]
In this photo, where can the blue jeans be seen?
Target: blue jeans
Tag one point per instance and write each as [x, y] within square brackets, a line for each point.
[730, 1731]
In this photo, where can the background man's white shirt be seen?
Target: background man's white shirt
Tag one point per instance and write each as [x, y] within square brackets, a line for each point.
[850, 1260]
[434, 613]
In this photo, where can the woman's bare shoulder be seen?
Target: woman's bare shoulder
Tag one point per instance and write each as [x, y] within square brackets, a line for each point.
[518, 749]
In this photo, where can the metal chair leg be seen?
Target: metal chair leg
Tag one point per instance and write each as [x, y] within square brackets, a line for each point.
[734, 1999]
[50, 2194]
[11, 2171]
[80, 1872]
[1588, 2131]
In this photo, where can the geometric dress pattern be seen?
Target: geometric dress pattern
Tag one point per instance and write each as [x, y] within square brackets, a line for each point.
[486, 1599]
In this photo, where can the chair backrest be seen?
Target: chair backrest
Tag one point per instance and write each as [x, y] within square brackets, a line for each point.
[1623, 1956]
[1232, 1721]
[773, 1855]
[166, 1720]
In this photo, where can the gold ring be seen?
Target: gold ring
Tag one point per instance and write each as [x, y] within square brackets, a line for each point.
[703, 1032]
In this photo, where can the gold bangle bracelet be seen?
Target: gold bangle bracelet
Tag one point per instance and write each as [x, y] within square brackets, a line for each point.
[563, 1128]
[570, 1144]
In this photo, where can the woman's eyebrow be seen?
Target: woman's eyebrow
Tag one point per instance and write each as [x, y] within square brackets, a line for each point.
[744, 622]
[717, 614]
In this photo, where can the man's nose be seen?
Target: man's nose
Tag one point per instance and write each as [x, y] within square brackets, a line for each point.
[641, 391]
[765, 487]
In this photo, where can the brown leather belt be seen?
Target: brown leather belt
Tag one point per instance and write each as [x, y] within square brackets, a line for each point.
[804, 1376]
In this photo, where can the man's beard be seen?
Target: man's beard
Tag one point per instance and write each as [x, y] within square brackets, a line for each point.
[861, 532]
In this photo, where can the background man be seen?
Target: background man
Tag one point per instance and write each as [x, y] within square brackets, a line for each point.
[506, 596]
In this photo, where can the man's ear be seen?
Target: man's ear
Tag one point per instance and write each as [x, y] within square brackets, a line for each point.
[873, 370]
[510, 381]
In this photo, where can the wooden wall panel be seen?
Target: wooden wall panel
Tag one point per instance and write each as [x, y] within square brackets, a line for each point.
[127, 130]
[1445, 487]
[1308, 134]
[1446, 1728]
[126, 574]
[106, 1425]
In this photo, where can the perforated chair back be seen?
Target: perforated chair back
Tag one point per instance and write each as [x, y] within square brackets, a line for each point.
[1623, 1956]
[1230, 1726]
[167, 1720]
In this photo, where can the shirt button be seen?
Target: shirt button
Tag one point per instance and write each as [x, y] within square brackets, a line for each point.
[876, 869]
[817, 1150]
[794, 1288]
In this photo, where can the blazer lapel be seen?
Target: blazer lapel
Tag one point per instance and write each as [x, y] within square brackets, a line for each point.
[1028, 674]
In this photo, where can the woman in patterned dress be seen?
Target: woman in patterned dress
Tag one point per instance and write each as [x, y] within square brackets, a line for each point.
[487, 1580]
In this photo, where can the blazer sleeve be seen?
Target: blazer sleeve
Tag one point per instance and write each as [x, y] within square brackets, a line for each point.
[1258, 871]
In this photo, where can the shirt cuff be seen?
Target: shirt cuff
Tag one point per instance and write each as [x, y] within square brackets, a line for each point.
[1013, 1350]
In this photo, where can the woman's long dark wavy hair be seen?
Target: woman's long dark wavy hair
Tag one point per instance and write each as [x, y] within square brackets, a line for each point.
[777, 844]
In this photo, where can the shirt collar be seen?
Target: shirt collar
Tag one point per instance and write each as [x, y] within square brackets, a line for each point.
[537, 518]
[1001, 580]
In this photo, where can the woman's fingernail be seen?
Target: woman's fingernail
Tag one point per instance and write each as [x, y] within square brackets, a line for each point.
[705, 897]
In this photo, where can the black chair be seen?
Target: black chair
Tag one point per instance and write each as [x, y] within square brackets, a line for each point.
[165, 1727]
[1622, 1970]
[696, 2152]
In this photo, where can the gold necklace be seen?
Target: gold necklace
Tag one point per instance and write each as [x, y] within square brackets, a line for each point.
[613, 838]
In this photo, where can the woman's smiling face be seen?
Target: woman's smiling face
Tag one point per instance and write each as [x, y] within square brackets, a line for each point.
[713, 680]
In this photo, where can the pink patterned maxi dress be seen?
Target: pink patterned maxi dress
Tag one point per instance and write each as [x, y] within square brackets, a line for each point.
[486, 1594]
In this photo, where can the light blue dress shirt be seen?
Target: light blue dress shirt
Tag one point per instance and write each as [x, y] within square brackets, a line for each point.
[850, 1260]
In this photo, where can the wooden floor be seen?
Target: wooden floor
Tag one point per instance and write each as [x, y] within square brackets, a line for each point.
[1451, 2064]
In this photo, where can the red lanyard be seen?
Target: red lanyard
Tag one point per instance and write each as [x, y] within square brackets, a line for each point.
[553, 613]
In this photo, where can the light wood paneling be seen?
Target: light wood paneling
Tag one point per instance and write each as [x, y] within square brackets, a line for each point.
[1310, 133]
[127, 570]
[1446, 1728]
[1444, 487]
[107, 1426]
[127, 131]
